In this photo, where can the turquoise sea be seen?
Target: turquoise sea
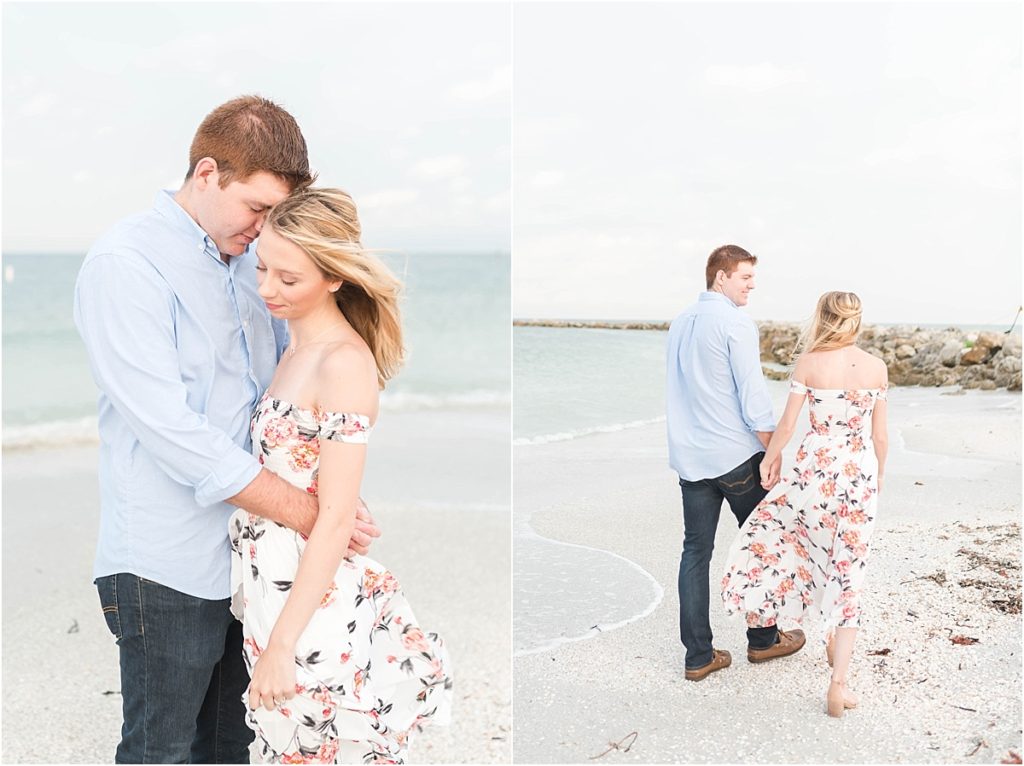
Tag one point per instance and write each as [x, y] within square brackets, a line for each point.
[456, 319]
[573, 382]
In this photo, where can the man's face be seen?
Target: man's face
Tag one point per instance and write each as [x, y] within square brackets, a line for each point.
[233, 216]
[738, 285]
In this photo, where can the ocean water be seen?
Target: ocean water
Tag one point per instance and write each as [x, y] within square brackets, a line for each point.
[456, 312]
[572, 382]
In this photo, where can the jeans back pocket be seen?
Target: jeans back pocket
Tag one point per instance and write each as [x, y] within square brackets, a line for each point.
[107, 587]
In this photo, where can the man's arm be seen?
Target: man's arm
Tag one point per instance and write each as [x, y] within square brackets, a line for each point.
[125, 311]
[270, 496]
[745, 363]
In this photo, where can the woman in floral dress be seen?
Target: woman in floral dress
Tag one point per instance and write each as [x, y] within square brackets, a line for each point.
[804, 549]
[341, 671]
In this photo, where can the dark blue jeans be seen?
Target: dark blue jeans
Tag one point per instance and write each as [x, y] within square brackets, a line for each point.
[702, 504]
[182, 674]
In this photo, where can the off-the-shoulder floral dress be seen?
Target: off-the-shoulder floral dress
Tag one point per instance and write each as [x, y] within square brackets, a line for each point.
[804, 549]
[368, 677]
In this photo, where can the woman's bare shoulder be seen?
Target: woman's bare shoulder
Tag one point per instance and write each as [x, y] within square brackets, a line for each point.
[347, 374]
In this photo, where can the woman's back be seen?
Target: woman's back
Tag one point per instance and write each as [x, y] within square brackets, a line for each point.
[848, 368]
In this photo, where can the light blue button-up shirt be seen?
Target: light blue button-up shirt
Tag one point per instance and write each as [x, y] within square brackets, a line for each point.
[181, 346]
[716, 396]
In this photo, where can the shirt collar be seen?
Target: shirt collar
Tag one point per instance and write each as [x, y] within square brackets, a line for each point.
[711, 295]
[169, 208]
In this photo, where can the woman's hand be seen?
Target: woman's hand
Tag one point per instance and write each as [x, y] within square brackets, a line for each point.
[273, 678]
[770, 472]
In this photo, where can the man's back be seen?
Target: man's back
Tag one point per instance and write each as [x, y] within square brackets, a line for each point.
[716, 397]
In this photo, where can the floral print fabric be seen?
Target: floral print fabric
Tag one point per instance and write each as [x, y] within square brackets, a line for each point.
[368, 677]
[804, 549]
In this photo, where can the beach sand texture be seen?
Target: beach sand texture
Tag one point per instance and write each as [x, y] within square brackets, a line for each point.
[945, 563]
[446, 538]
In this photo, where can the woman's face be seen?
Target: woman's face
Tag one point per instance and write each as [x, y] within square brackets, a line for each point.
[290, 283]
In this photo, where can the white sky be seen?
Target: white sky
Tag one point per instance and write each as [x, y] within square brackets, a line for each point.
[873, 147]
[407, 107]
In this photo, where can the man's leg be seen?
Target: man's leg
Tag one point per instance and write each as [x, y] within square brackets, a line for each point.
[169, 645]
[221, 733]
[702, 504]
[742, 489]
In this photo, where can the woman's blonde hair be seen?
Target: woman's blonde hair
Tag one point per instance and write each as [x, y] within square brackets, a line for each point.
[324, 223]
[836, 323]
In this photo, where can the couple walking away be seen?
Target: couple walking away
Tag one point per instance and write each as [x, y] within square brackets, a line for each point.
[804, 532]
[239, 385]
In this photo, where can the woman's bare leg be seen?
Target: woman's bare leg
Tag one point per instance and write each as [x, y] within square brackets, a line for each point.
[839, 696]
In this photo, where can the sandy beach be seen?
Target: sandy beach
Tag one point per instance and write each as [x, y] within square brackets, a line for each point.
[945, 564]
[445, 522]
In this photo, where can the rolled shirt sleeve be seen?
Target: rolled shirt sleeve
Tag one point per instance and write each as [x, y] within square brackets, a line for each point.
[745, 362]
[125, 314]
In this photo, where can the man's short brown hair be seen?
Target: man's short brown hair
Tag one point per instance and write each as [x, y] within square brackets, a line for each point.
[726, 258]
[250, 135]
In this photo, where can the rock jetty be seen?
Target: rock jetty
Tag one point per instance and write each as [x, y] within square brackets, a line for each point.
[914, 356]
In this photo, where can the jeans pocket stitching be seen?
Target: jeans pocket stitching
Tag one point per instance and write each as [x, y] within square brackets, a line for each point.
[734, 484]
[111, 614]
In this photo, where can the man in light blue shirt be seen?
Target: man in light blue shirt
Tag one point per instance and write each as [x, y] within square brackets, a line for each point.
[181, 346]
[719, 418]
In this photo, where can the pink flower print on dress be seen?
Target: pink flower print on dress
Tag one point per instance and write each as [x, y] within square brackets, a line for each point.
[279, 431]
[328, 750]
[303, 456]
[413, 638]
[855, 423]
[758, 549]
[827, 488]
[817, 426]
[388, 583]
[352, 426]
[328, 598]
[851, 470]
[858, 517]
[369, 584]
[253, 647]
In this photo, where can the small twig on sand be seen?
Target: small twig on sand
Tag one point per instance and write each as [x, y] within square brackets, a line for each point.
[618, 745]
[74, 626]
[977, 748]
[968, 709]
